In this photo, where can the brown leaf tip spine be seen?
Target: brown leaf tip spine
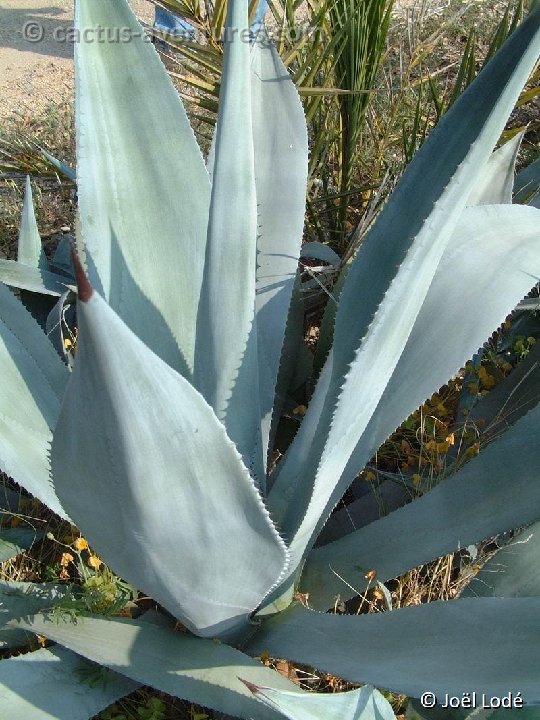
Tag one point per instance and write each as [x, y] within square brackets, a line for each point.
[83, 284]
[254, 689]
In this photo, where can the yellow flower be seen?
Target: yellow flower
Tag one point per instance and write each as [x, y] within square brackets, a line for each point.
[80, 544]
[66, 559]
[94, 562]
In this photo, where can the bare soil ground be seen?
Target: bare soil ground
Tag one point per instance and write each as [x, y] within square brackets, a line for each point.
[37, 71]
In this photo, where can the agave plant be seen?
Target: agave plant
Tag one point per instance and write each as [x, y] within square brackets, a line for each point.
[156, 445]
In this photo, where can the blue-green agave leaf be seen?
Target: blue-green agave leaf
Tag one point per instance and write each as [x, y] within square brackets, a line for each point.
[378, 307]
[514, 570]
[379, 500]
[326, 332]
[521, 713]
[291, 357]
[14, 541]
[495, 492]
[366, 703]
[319, 251]
[56, 324]
[178, 514]
[281, 163]
[142, 183]
[415, 711]
[492, 243]
[63, 168]
[490, 645]
[226, 373]
[29, 250]
[19, 599]
[510, 399]
[61, 259]
[495, 243]
[33, 279]
[496, 182]
[527, 184]
[9, 498]
[33, 383]
[200, 670]
[54, 683]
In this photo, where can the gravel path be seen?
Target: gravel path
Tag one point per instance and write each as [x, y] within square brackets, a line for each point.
[35, 74]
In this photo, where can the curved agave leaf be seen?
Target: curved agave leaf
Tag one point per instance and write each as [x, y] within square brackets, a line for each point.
[494, 186]
[178, 514]
[496, 182]
[14, 541]
[30, 251]
[320, 251]
[226, 373]
[514, 570]
[281, 150]
[514, 396]
[33, 383]
[57, 324]
[48, 684]
[366, 703]
[378, 307]
[199, 670]
[145, 241]
[491, 244]
[493, 493]
[487, 644]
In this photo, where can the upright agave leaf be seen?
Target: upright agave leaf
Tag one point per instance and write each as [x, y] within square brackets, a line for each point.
[29, 250]
[178, 514]
[281, 159]
[142, 224]
[226, 372]
[33, 382]
[495, 184]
